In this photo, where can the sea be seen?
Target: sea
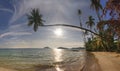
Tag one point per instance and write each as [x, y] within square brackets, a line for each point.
[42, 59]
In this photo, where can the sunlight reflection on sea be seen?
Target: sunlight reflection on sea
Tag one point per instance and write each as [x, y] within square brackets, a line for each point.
[58, 58]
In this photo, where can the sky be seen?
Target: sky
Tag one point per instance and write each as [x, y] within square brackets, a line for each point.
[14, 32]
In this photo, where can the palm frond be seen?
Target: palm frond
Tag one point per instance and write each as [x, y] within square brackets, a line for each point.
[35, 18]
[30, 23]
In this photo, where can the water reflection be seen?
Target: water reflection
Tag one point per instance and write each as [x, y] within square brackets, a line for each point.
[58, 58]
[58, 68]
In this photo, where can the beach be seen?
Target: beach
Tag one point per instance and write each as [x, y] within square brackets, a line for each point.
[41, 59]
[102, 61]
[108, 61]
[90, 61]
[5, 69]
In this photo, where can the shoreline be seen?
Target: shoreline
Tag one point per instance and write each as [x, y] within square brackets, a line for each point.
[91, 63]
[95, 61]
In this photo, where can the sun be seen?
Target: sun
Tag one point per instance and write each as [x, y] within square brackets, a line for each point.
[58, 32]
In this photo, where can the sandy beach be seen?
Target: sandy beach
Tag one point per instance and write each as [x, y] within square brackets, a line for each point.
[5, 69]
[102, 61]
[108, 61]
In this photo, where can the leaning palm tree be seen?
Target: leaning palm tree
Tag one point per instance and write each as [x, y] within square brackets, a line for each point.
[35, 19]
[95, 4]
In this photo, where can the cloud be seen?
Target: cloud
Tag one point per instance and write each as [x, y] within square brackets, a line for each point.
[7, 10]
[14, 34]
[54, 11]
[19, 27]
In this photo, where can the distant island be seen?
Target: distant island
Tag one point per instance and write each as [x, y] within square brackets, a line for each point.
[71, 49]
[62, 48]
[46, 47]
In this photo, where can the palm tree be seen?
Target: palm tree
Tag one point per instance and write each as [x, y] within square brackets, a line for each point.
[79, 13]
[95, 4]
[84, 33]
[35, 19]
[90, 23]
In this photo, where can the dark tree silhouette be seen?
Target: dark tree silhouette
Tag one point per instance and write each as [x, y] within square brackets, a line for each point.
[95, 4]
[35, 19]
[90, 23]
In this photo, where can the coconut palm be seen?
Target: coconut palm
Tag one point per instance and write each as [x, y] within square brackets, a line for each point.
[95, 4]
[90, 23]
[35, 19]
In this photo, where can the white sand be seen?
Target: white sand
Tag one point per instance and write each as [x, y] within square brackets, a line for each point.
[108, 61]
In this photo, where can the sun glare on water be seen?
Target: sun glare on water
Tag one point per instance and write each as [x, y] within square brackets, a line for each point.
[58, 58]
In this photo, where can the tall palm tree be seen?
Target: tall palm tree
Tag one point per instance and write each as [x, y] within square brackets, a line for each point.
[35, 19]
[90, 23]
[95, 4]
[79, 13]
[84, 33]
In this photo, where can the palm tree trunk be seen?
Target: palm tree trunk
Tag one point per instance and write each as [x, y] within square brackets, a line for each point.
[98, 15]
[80, 21]
[118, 45]
[66, 25]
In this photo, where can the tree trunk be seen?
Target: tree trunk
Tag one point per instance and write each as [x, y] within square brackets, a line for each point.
[77, 27]
[98, 15]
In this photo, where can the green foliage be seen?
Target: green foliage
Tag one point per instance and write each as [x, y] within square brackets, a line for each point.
[100, 44]
[107, 43]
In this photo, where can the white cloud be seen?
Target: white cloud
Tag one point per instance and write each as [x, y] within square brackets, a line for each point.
[7, 10]
[14, 34]
[54, 11]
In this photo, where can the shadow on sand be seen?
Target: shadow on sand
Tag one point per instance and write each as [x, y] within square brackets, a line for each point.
[91, 63]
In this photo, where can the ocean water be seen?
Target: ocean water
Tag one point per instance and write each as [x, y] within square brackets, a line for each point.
[42, 59]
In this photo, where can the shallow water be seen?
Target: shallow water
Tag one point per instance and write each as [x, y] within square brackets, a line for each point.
[41, 59]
